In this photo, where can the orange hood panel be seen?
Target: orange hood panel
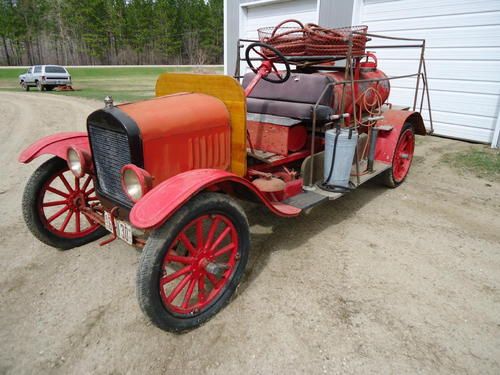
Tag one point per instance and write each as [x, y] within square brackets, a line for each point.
[181, 132]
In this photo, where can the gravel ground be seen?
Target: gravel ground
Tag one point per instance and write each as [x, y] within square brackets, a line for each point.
[380, 281]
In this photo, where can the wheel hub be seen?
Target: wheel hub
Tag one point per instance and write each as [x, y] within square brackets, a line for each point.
[76, 200]
[201, 262]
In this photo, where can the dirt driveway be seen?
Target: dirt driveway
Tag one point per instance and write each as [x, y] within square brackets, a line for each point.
[380, 281]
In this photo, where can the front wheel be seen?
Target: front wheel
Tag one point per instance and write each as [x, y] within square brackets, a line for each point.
[191, 265]
[52, 203]
[39, 86]
[403, 156]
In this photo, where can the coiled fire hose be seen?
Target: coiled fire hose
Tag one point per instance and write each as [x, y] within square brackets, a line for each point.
[314, 40]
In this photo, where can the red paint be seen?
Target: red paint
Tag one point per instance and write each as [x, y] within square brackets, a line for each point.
[369, 64]
[182, 132]
[144, 178]
[273, 163]
[277, 139]
[291, 189]
[297, 138]
[369, 95]
[161, 202]
[264, 69]
[69, 197]
[387, 140]
[56, 144]
[85, 160]
[403, 155]
[187, 286]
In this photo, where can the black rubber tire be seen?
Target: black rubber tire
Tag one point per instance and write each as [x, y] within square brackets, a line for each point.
[149, 270]
[49, 88]
[25, 86]
[39, 86]
[32, 217]
[388, 176]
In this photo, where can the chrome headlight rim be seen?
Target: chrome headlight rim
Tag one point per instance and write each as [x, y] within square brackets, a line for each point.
[136, 182]
[78, 161]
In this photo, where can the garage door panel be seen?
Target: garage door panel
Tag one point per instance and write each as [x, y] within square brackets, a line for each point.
[281, 8]
[440, 53]
[463, 132]
[257, 16]
[406, 9]
[272, 14]
[490, 88]
[473, 104]
[457, 20]
[477, 36]
[458, 119]
[466, 70]
[254, 25]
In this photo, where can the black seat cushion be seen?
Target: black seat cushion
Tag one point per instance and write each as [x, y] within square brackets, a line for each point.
[301, 111]
[294, 98]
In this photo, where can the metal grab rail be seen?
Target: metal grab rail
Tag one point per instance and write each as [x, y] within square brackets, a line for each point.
[421, 74]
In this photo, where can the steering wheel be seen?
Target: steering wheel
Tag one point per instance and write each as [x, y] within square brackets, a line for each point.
[279, 58]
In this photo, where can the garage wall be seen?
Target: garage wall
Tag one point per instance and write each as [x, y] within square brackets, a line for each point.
[462, 55]
[256, 14]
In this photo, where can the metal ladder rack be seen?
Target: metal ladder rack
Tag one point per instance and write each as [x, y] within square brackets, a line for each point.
[312, 63]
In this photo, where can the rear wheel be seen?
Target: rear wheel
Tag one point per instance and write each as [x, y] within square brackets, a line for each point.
[191, 265]
[52, 203]
[49, 88]
[403, 156]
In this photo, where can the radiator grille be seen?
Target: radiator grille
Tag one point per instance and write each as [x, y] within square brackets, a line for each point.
[111, 151]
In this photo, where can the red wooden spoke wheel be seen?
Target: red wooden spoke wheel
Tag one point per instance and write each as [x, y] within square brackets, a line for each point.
[52, 206]
[60, 204]
[191, 282]
[192, 264]
[403, 156]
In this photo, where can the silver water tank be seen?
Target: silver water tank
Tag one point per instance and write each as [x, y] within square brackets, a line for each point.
[344, 156]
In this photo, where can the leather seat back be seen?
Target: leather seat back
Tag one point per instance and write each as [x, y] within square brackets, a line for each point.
[294, 98]
[299, 88]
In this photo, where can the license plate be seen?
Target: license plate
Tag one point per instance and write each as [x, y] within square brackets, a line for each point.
[123, 229]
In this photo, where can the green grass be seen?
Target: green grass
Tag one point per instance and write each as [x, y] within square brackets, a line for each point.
[481, 161]
[123, 83]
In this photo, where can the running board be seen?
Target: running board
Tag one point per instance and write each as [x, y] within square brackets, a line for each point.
[306, 200]
[314, 196]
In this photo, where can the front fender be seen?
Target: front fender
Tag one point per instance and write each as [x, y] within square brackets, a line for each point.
[166, 198]
[55, 144]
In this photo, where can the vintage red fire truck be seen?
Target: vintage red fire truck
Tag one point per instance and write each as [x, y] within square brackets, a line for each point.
[165, 174]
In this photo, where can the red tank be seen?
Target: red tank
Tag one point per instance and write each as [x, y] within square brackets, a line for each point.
[369, 95]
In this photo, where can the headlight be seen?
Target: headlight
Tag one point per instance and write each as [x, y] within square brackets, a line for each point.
[78, 161]
[136, 182]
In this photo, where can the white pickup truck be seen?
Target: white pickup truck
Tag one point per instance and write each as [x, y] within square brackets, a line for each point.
[45, 77]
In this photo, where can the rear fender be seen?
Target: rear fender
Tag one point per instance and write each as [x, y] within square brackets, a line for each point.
[56, 144]
[165, 199]
[387, 140]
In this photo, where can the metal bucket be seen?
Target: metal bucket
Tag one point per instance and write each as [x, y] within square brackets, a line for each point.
[344, 155]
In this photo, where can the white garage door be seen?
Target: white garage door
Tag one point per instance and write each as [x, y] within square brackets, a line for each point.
[257, 14]
[462, 54]
[271, 13]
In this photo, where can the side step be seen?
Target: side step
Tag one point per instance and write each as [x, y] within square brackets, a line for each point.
[305, 200]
